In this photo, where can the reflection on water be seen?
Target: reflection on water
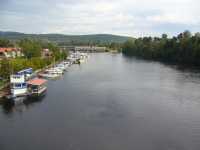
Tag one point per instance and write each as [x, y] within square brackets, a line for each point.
[21, 105]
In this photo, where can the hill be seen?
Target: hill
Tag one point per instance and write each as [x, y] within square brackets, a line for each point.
[67, 39]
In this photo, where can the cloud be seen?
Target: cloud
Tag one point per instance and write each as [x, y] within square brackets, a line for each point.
[125, 17]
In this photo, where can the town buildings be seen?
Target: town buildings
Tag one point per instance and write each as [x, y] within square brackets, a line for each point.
[10, 52]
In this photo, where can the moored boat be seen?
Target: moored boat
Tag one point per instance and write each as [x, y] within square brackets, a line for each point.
[28, 73]
[67, 63]
[55, 70]
[62, 66]
[18, 86]
[81, 60]
[48, 75]
[37, 87]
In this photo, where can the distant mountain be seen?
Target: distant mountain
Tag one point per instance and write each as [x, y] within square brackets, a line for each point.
[67, 39]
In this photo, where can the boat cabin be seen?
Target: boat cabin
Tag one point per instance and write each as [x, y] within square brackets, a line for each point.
[18, 85]
[26, 72]
[37, 86]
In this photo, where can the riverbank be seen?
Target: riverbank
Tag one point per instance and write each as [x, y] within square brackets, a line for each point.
[4, 91]
[4, 85]
[182, 49]
[54, 69]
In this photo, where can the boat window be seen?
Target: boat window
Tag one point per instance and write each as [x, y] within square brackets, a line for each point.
[18, 85]
[23, 84]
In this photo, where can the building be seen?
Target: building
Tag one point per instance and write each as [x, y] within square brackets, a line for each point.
[46, 53]
[10, 52]
[90, 49]
[85, 48]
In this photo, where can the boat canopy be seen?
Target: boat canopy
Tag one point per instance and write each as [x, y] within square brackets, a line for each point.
[25, 71]
[37, 81]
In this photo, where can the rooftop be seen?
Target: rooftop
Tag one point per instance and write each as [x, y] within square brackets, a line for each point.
[8, 49]
[37, 81]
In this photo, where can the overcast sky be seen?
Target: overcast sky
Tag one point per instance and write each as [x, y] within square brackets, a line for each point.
[122, 17]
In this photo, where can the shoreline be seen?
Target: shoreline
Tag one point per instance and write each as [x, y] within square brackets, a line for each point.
[4, 89]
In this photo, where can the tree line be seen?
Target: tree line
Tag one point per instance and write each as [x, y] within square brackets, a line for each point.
[183, 48]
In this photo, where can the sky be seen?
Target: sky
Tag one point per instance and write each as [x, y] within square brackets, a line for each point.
[135, 18]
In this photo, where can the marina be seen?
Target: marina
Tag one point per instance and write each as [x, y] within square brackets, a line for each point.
[27, 83]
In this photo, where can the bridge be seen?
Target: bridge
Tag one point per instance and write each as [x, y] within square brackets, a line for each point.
[88, 49]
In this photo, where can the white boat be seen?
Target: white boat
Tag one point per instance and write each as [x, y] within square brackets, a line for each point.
[81, 60]
[18, 86]
[62, 66]
[83, 57]
[78, 57]
[72, 60]
[48, 75]
[55, 70]
[28, 73]
[67, 63]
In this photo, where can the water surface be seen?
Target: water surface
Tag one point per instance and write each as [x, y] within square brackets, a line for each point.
[109, 103]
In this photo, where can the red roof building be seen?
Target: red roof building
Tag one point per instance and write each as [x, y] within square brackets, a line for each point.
[10, 52]
[9, 49]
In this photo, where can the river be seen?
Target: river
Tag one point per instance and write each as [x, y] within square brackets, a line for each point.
[109, 103]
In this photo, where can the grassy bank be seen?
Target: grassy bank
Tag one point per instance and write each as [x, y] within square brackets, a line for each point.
[14, 65]
[11, 66]
[1, 84]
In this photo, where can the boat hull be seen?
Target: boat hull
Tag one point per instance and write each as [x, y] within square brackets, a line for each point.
[49, 76]
[19, 92]
[39, 93]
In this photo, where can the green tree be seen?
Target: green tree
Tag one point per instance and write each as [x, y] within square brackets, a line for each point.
[164, 36]
[5, 68]
[5, 43]
[31, 48]
[184, 48]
